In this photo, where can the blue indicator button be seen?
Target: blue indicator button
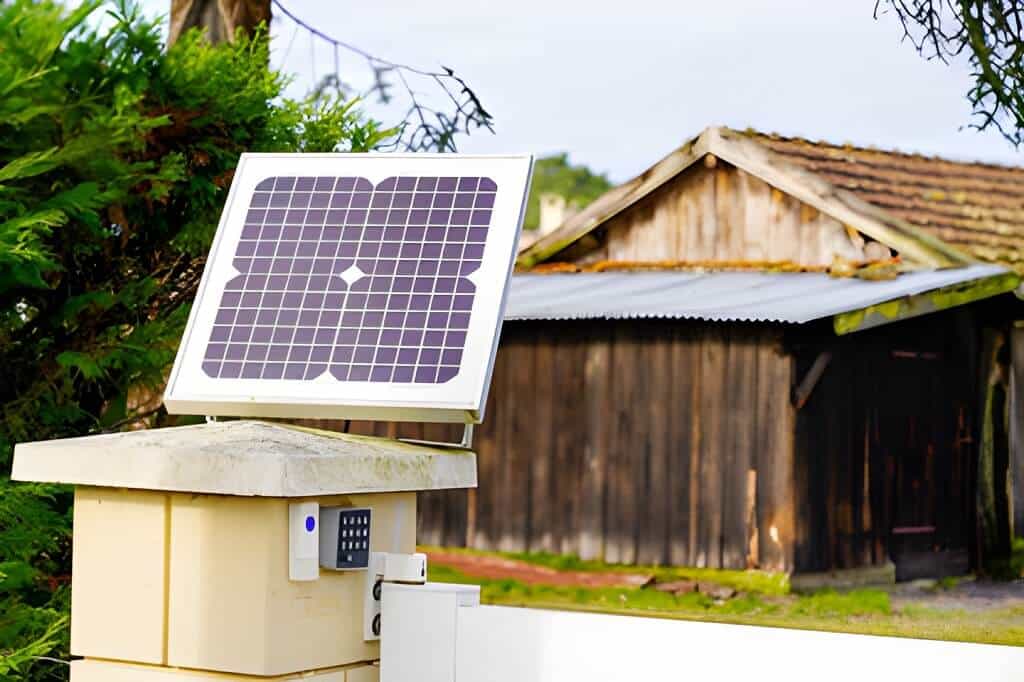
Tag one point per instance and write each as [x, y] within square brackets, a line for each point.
[310, 524]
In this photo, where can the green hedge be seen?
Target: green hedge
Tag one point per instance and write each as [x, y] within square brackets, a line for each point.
[115, 158]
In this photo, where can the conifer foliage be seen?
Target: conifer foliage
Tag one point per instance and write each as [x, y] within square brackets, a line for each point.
[115, 158]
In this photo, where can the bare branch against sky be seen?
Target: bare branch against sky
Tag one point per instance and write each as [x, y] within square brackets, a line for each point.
[619, 85]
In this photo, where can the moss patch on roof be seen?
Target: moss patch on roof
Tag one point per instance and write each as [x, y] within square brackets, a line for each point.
[977, 207]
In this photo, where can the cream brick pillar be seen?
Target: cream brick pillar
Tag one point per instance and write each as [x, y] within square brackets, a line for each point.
[181, 537]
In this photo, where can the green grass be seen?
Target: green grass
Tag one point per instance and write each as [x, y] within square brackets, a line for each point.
[842, 605]
[760, 582]
[762, 602]
[1008, 569]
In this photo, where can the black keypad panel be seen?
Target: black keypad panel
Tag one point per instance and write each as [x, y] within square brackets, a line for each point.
[353, 539]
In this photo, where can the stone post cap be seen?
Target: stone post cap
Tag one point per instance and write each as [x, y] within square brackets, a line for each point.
[245, 458]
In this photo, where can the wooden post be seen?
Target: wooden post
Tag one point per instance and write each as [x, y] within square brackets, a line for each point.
[994, 456]
[1017, 424]
[775, 459]
[220, 18]
[753, 551]
[596, 407]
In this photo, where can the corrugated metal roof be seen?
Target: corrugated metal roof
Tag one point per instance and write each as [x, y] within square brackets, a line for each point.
[742, 296]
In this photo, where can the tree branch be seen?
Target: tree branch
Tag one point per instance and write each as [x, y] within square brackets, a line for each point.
[991, 34]
[423, 128]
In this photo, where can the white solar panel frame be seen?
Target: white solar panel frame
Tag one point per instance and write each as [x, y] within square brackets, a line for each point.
[461, 400]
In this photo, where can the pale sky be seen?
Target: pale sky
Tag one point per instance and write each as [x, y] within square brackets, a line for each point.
[618, 85]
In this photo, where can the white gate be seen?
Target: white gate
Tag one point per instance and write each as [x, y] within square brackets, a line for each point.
[440, 633]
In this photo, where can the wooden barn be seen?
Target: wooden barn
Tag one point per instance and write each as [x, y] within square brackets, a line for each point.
[760, 352]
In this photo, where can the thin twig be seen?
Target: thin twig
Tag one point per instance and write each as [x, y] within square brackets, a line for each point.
[434, 129]
[991, 34]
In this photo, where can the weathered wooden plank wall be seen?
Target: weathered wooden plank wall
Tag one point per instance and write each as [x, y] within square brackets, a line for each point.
[676, 442]
[660, 425]
[631, 441]
[724, 214]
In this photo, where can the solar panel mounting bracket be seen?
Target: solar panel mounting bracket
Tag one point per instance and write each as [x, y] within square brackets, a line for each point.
[465, 444]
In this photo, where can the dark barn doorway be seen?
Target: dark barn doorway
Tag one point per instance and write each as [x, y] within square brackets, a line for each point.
[885, 451]
[919, 441]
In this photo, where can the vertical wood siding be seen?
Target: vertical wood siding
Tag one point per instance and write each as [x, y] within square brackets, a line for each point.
[630, 441]
[675, 442]
[634, 440]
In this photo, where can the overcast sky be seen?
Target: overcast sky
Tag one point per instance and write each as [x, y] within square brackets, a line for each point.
[618, 85]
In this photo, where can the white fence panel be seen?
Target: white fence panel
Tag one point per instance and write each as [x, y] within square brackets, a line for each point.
[526, 645]
[439, 633]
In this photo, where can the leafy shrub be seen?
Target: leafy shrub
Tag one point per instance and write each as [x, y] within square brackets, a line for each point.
[115, 158]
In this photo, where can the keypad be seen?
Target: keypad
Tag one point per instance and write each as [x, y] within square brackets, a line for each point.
[353, 538]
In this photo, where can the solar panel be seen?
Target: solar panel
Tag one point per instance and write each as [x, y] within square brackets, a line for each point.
[354, 286]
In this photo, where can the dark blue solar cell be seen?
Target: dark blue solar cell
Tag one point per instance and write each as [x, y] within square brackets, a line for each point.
[365, 283]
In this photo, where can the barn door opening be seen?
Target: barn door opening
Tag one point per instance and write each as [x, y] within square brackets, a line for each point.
[926, 466]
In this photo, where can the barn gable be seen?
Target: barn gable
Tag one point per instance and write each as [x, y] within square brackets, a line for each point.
[728, 198]
[715, 213]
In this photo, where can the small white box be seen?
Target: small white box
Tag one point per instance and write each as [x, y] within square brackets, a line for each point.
[303, 541]
[405, 568]
[419, 628]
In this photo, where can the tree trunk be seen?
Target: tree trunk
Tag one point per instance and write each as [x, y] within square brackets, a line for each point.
[220, 18]
[994, 503]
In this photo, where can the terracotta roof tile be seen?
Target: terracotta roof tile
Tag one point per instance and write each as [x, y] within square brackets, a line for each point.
[975, 206]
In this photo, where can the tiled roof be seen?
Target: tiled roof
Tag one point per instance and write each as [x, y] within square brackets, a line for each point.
[976, 207]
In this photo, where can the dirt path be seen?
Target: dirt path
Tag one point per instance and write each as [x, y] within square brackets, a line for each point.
[498, 568]
[970, 595]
